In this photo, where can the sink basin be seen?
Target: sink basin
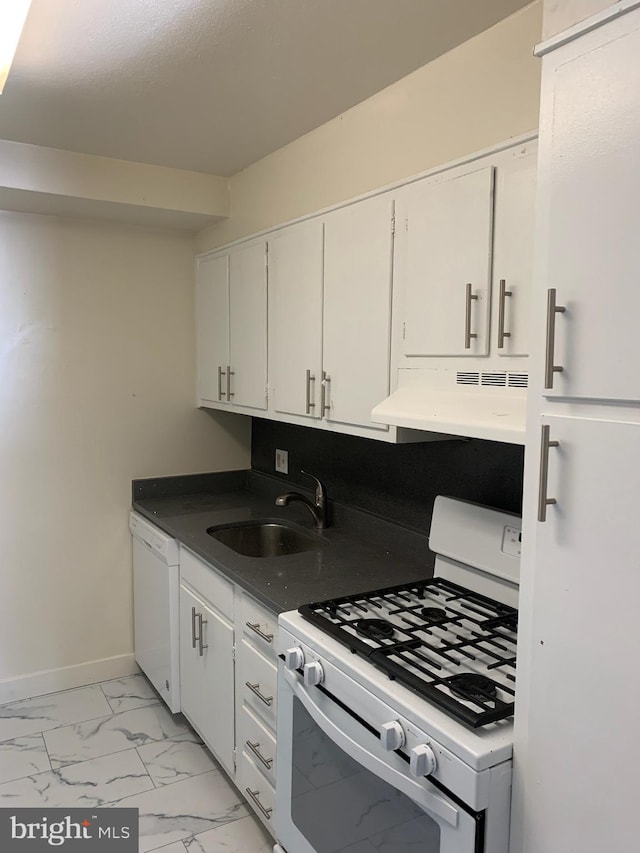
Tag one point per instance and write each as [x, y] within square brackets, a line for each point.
[265, 539]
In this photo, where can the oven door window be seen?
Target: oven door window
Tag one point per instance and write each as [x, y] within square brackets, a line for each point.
[338, 805]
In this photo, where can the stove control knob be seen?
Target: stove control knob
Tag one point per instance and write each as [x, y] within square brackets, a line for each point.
[294, 658]
[313, 673]
[422, 761]
[392, 735]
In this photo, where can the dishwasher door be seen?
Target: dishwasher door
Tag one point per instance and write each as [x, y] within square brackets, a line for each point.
[156, 585]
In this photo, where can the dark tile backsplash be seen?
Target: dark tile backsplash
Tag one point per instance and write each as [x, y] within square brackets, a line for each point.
[397, 482]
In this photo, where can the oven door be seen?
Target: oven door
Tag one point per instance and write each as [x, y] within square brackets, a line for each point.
[338, 790]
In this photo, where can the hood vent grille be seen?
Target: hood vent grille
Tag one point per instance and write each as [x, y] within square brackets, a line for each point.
[495, 379]
[518, 380]
[492, 378]
[471, 377]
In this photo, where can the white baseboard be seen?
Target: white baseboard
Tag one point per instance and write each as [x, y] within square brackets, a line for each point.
[53, 680]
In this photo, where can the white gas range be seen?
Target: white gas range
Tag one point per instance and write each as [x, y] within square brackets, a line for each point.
[395, 706]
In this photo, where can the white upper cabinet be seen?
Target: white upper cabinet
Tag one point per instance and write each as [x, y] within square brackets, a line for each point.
[231, 328]
[591, 215]
[349, 307]
[247, 382]
[295, 319]
[212, 327]
[513, 240]
[330, 315]
[448, 265]
[357, 310]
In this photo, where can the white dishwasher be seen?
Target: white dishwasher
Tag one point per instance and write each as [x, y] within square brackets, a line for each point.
[156, 586]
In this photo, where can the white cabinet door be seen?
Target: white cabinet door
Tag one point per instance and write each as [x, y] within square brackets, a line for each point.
[448, 265]
[248, 326]
[513, 240]
[357, 309]
[212, 327]
[206, 680]
[583, 752]
[591, 228]
[295, 318]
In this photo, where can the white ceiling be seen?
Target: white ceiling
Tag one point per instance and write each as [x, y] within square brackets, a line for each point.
[214, 85]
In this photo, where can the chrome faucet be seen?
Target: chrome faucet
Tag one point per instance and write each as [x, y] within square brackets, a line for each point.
[318, 509]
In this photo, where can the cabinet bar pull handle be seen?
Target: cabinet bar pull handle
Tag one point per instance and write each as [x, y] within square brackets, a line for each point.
[221, 373]
[194, 639]
[308, 403]
[254, 749]
[256, 627]
[254, 797]
[501, 304]
[230, 393]
[543, 500]
[468, 334]
[201, 646]
[552, 309]
[325, 407]
[255, 688]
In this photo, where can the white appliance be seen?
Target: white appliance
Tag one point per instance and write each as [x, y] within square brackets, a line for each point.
[394, 707]
[156, 585]
[487, 402]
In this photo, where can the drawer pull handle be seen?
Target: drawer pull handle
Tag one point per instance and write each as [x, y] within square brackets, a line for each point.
[254, 747]
[543, 500]
[221, 373]
[501, 305]
[194, 639]
[254, 797]
[324, 394]
[308, 403]
[255, 688]
[256, 627]
[230, 393]
[549, 367]
[201, 646]
[469, 297]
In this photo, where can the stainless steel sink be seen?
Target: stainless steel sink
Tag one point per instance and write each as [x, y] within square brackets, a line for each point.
[265, 539]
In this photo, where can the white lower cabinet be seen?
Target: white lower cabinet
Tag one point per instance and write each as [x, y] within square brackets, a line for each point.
[260, 794]
[232, 708]
[258, 742]
[256, 707]
[206, 659]
[256, 680]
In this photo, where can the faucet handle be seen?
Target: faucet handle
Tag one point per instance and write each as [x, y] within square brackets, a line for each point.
[320, 490]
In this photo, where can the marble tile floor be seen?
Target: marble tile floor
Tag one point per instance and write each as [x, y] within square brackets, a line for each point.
[116, 743]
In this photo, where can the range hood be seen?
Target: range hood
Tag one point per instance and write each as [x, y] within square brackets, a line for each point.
[489, 404]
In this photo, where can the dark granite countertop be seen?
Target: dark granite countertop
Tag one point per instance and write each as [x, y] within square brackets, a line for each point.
[359, 551]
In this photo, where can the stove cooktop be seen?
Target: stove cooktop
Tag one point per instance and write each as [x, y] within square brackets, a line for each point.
[450, 645]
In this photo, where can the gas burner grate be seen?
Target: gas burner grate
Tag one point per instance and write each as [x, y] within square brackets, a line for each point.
[437, 635]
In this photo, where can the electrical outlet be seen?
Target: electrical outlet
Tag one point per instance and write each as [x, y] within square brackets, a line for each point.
[282, 461]
[512, 541]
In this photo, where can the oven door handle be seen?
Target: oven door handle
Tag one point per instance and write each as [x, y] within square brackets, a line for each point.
[434, 803]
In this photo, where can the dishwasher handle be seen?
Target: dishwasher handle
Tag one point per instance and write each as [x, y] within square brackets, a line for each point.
[153, 539]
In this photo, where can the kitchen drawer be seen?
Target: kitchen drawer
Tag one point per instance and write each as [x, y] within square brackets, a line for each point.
[207, 582]
[258, 624]
[260, 795]
[252, 668]
[258, 742]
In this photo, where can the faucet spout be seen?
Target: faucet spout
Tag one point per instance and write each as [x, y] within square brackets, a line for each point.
[317, 508]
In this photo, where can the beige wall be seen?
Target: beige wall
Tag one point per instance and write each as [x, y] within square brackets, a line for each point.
[560, 14]
[96, 387]
[477, 95]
